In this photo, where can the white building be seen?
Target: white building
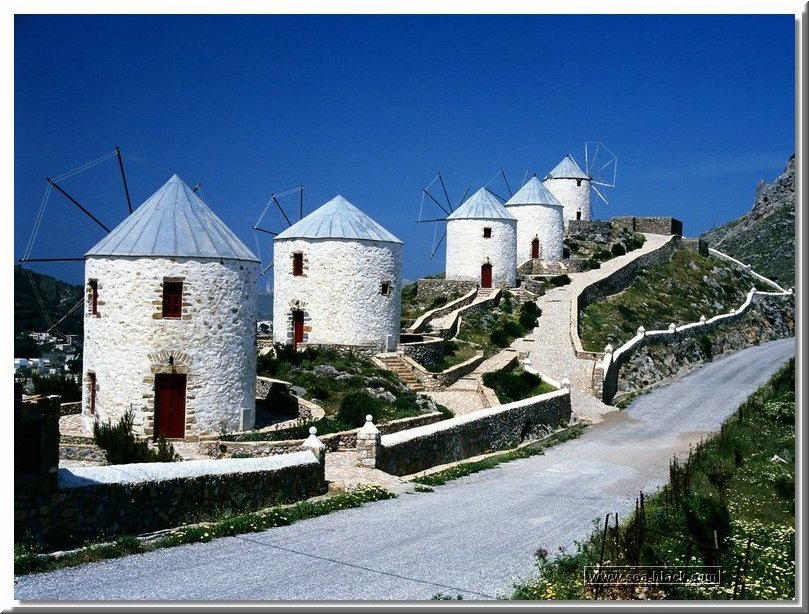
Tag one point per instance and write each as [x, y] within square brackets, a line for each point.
[540, 222]
[482, 242]
[170, 321]
[571, 186]
[337, 280]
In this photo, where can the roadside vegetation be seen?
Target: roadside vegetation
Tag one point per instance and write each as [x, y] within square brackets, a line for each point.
[731, 503]
[228, 522]
[679, 292]
[454, 353]
[467, 468]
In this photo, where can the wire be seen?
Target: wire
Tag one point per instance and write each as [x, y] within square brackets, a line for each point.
[37, 222]
[62, 319]
[86, 166]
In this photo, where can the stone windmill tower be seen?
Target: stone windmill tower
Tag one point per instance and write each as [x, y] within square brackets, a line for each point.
[540, 222]
[169, 327]
[571, 186]
[337, 280]
[482, 242]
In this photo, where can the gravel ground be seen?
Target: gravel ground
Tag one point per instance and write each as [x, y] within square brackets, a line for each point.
[475, 536]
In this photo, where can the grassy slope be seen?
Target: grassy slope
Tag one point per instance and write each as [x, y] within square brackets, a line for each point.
[679, 291]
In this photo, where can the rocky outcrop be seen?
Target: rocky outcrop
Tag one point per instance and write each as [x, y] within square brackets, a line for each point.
[764, 237]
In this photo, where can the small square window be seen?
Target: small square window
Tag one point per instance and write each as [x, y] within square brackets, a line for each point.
[172, 299]
[487, 232]
[385, 288]
[297, 264]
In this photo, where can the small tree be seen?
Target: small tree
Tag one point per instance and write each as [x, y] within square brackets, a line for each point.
[124, 447]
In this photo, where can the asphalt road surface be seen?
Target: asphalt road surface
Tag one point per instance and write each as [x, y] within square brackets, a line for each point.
[475, 536]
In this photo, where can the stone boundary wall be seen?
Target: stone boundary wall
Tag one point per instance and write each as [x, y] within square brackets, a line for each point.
[698, 245]
[82, 452]
[478, 432]
[70, 409]
[651, 225]
[612, 363]
[332, 441]
[431, 350]
[420, 325]
[433, 288]
[590, 230]
[746, 267]
[104, 502]
[611, 284]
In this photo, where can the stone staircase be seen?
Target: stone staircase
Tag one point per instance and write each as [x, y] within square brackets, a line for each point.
[485, 292]
[397, 364]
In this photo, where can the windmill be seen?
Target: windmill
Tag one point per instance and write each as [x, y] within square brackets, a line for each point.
[437, 211]
[601, 165]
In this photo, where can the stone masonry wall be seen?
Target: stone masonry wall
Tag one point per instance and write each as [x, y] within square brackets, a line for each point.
[426, 352]
[428, 289]
[623, 277]
[475, 433]
[72, 514]
[652, 225]
[590, 230]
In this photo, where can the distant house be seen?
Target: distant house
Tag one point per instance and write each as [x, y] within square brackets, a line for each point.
[170, 321]
[337, 280]
[482, 242]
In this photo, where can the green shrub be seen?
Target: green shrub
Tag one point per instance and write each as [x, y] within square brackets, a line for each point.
[618, 249]
[531, 308]
[499, 337]
[592, 263]
[510, 386]
[123, 447]
[602, 255]
[527, 321]
[355, 406]
[559, 280]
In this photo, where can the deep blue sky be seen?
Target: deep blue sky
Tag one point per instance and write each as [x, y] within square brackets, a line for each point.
[697, 108]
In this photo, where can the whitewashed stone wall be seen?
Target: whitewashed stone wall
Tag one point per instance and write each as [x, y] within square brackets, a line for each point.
[545, 222]
[573, 197]
[213, 343]
[467, 250]
[339, 291]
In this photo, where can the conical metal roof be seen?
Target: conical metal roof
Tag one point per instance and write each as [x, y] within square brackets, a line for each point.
[533, 193]
[482, 205]
[173, 222]
[337, 219]
[567, 169]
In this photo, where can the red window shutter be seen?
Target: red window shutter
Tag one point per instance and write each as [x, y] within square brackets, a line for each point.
[92, 393]
[297, 265]
[93, 297]
[172, 299]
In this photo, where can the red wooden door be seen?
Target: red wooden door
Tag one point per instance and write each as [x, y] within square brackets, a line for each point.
[535, 248]
[486, 276]
[170, 405]
[297, 321]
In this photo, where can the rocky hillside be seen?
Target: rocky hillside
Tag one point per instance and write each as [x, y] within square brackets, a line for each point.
[57, 298]
[765, 237]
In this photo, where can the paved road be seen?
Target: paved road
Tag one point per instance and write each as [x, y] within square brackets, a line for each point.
[474, 536]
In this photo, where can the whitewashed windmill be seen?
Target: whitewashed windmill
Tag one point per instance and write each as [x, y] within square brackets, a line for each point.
[571, 185]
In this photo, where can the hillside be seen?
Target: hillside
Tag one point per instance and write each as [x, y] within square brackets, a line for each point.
[765, 237]
[58, 298]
